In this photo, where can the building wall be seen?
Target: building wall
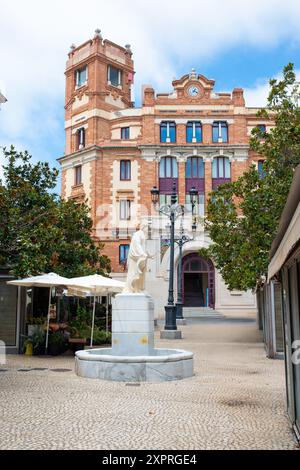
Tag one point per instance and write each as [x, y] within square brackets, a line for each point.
[102, 110]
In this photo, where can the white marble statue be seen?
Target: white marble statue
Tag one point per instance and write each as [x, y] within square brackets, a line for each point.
[137, 263]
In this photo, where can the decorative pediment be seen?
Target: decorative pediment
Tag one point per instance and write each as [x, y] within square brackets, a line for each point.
[194, 77]
[193, 85]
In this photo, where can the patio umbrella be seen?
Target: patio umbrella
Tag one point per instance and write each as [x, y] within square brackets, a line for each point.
[44, 280]
[95, 285]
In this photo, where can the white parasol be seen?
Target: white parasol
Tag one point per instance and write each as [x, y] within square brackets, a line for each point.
[44, 280]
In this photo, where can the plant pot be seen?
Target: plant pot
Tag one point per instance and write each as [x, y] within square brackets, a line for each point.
[29, 349]
[54, 349]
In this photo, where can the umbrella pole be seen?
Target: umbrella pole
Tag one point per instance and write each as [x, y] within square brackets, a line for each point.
[48, 321]
[93, 321]
[107, 312]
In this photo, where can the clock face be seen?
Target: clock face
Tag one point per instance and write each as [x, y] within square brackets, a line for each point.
[193, 90]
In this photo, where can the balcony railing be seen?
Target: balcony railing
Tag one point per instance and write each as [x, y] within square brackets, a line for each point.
[166, 185]
[197, 183]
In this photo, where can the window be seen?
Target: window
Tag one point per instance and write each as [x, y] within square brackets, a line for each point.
[194, 131]
[199, 207]
[168, 131]
[114, 76]
[194, 167]
[260, 169]
[78, 174]
[168, 167]
[221, 167]
[123, 253]
[125, 170]
[164, 199]
[125, 133]
[220, 131]
[81, 76]
[124, 210]
[261, 127]
[81, 138]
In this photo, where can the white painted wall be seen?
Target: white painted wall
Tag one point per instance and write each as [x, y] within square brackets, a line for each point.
[86, 178]
[125, 187]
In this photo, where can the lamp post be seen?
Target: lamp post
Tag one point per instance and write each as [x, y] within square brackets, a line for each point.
[172, 211]
[182, 240]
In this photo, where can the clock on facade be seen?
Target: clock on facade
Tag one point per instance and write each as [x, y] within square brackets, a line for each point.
[193, 90]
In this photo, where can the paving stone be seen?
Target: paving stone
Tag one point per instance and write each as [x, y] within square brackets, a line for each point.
[236, 400]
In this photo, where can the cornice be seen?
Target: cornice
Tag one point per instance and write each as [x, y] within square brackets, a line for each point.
[233, 152]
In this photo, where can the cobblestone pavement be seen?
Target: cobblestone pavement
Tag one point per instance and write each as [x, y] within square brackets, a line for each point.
[236, 400]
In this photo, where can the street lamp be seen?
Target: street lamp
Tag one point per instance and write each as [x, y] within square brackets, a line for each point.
[173, 211]
[182, 240]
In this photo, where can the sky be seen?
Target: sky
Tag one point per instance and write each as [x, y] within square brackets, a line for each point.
[236, 43]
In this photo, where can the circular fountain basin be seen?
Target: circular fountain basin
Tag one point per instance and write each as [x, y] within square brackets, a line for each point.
[162, 365]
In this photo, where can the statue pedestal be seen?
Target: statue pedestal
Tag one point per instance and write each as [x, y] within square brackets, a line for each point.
[132, 357]
[133, 325]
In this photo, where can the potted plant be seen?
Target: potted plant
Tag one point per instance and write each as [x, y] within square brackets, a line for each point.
[38, 343]
[28, 347]
[101, 337]
[56, 343]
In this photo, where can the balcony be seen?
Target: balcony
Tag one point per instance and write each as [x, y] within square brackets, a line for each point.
[197, 183]
[218, 181]
[166, 185]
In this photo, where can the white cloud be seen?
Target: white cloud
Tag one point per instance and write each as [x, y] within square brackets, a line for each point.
[35, 37]
[257, 96]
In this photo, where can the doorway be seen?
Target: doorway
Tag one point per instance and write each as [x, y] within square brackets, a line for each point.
[195, 289]
[198, 281]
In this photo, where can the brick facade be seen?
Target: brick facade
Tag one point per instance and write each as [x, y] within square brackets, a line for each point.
[102, 109]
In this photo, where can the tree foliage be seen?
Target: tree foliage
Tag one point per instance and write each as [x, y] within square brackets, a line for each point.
[40, 232]
[242, 216]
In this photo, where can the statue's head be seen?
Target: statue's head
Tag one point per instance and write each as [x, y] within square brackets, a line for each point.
[141, 226]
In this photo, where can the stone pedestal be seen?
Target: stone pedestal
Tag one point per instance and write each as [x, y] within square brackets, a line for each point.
[170, 334]
[132, 357]
[133, 325]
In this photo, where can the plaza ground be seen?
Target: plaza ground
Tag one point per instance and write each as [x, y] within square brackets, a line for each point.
[236, 400]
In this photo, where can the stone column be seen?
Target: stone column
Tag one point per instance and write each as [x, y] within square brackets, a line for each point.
[132, 325]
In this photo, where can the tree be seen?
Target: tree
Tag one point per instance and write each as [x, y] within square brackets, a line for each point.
[242, 216]
[40, 232]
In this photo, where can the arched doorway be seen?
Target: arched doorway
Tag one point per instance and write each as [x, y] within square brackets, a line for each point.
[198, 281]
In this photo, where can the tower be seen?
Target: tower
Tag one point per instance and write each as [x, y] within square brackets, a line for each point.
[99, 78]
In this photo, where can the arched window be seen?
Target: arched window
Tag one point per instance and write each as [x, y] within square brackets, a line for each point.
[168, 167]
[221, 167]
[168, 174]
[220, 131]
[194, 177]
[194, 131]
[221, 171]
[168, 131]
[81, 138]
[194, 167]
